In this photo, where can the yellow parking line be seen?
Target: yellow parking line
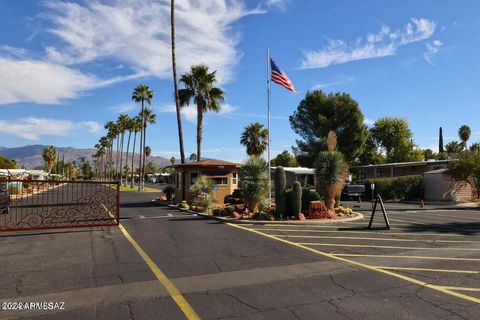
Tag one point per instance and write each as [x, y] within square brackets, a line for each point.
[425, 269]
[403, 257]
[366, 266]
[374, 239]
[460, 288]
[360, 232]
[385, 247]
[162, 278]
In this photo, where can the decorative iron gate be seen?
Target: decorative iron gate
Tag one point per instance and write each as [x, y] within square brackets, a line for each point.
[47, 204]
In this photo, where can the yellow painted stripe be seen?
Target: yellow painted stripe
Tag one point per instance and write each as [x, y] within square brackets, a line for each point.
[403, 257]
[172, 290]
[385, 247]
[361, 232]
[429, 270]
[374, 239]
[366, 266]
[460, 288]
[109, 212]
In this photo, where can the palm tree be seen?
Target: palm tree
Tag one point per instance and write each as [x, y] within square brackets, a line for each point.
[49, 155]
[148, 152]
[141, 94]
[172, 160]
[136, 126]
[148, 118]
[254, 182]
[199, 87]
[255, 139]
[122, 123]
[464, 133]
[129, 127]
[193, 157]
[111, 128]
[175, 83]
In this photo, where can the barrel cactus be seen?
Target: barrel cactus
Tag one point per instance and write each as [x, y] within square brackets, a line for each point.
[297, 198]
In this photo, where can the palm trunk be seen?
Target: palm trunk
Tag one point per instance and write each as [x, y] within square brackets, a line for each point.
[126, 157]
[144, 155]
[133, 158]
[117, 157]
[199, 130]
[121, 157]
[175, 86]
[140, 186]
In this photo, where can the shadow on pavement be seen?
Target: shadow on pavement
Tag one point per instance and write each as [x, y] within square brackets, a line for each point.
[462, 228]
[40, 233]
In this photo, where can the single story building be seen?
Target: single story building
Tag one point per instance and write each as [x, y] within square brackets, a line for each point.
[306, 176]
[224, 174]
[440, 186]
[386, 170]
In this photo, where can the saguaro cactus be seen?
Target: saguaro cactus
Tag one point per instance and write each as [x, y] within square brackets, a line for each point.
[280, 184]
[297, 198]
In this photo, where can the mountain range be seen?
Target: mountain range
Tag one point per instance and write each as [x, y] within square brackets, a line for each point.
[30, 156]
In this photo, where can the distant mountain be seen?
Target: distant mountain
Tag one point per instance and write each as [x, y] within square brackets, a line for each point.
[31, 156]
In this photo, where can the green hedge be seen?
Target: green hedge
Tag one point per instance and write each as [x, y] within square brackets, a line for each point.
[402, 188]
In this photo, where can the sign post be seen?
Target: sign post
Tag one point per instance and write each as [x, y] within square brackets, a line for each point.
[372, 188]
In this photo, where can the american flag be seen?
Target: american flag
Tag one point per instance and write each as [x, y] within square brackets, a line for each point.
[279, 77]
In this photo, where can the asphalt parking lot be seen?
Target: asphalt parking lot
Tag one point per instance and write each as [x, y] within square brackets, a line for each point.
[166, 264]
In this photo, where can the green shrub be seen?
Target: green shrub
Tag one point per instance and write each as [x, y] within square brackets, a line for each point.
[280, 184]
[296, 198]
[217, 211]
[254, 182]
[229, 209]
[401, 188]
[169, 192]
[308, 195]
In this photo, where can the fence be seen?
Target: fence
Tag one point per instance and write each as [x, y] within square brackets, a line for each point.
[47, 204]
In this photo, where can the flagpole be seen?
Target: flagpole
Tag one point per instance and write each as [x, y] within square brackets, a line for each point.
[268, 128]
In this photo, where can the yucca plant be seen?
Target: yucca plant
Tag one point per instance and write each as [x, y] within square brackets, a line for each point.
[254, 182]
[331, 170]
[202, 191]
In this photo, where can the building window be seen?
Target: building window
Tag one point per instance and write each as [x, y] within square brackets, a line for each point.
[193, 177]
[234, 178]
[220, 181]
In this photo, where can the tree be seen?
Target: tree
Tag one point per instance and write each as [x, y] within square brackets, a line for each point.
[49, 156]
[371, 153]
[475, 147]
[142, 94]
[395, 137]
[87, 171]
[111, 128]
[429, 154]
[464, 133]
[255, 138]
[284, 159]
[123, 122]
[454, 148]
[202, 191]
[317, 115]
[172, 160]
[136, 127]
[254, 182]
[175, 83]
[130, 127]
[193, 157]
[71, 170]
[440, 141]
[199, 87]
[150, 168]
[6, 163]
[331, 171]
[467, 169]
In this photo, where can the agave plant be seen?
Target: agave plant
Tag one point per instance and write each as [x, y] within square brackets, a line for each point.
[202, 191]
[254, 182]
[331, 171]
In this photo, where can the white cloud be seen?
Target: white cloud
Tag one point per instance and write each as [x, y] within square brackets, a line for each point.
[189, 112]
[280, 4]
[35, 128]
[381, 44]
[137, 34]
[432, 50]
[123, 107]
[334, 83]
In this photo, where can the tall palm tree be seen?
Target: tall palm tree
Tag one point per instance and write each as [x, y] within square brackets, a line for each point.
[136, 126]
[175, 83]
[49, 155]
[148, 118]
[255, 139]
[111, 128]
[193, 157]
[129, 127]
[142, 94]
[148, 152]
[199, 87]
[464, 133]
[122, 123]
[172, 160]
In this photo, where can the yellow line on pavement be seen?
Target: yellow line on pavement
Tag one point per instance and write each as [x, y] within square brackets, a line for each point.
[172, 290]
[460, 288]
[360, 232]
[366, 266]
[384, 247]
[374, 239]
[109, 213]
[403, 257]
[425, 269]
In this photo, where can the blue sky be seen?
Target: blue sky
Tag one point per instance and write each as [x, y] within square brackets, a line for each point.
[68, 67]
